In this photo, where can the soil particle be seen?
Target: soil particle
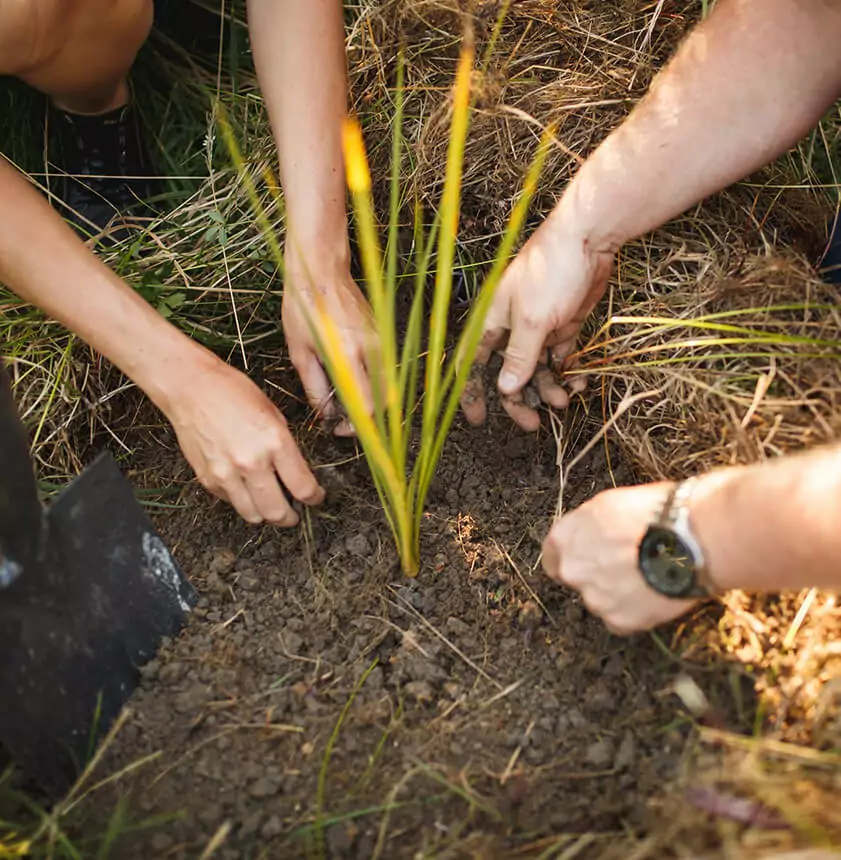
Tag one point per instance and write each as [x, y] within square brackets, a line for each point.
[358, 545]
[420, 691]
[272, 828]
[264, 787]
[600, 754]
[339, 840]
[627, 754]
[192, 699]
[222, 561]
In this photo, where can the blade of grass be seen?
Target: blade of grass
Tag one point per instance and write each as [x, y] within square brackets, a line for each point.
[325, 763]
[450, 204]
[460, 365]
[397, 429]
[382, 359]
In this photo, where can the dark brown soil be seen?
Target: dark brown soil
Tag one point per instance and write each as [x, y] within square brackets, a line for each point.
[495, 712]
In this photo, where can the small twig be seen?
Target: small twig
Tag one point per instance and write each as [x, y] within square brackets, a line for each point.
[512, 762]
[411, 609]
[799, 618]
[217, 841]
[625, 404]
[529, 589]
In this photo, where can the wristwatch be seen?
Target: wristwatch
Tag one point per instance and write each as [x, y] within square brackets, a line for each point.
[670, 557]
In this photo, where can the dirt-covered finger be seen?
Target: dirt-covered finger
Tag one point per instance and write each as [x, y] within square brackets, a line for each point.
[269, 499]
[472, 399]
[522, 408]
[551, 393]
[295, 474]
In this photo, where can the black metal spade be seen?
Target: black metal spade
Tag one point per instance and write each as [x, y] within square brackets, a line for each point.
[87, 592]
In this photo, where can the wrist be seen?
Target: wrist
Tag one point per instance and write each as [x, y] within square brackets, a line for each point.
[715, 524]
[169, 377]
[581, 213]
[324, 257]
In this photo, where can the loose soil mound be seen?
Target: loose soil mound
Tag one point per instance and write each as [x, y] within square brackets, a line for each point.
[496, 713]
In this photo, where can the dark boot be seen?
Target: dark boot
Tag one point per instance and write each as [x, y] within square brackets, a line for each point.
[101, 173]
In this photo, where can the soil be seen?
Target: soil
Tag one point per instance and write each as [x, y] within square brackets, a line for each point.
[473, 712]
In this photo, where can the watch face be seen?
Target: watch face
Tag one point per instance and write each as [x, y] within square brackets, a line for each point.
[667, 564]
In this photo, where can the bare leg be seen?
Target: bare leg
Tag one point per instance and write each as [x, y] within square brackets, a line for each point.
[78, 52]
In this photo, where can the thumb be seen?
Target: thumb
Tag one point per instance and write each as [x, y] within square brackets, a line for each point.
[525, 348]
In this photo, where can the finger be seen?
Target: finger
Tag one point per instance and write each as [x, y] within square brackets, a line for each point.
[316, 384]
[550, 392]
[344, 428]
[268, 498]
[521, 411]
[472, 401]
[238, 495]
[552, 554]
[576, 383]
[293, 471]
[525, 348]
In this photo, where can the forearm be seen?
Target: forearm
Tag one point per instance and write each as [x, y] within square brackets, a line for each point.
[299, 53]
[43, 261]
[743, 88]
[776, 526]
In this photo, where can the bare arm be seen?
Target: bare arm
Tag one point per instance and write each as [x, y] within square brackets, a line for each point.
[44, 262]
[233, 436]
[300, 58]
[743, 88]
[775, 526]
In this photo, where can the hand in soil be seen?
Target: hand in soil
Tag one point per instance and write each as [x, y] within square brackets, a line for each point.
[594, 550]
[545, 295]
[239, 445]
[307, 294]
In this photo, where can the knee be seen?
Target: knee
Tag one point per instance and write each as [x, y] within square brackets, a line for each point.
[18, 34]
[35, 32]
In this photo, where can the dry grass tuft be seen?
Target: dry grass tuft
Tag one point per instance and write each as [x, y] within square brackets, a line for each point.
[746, 355]
[744, 799]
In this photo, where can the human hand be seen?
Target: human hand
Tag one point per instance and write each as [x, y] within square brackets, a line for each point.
[343, 301]
[545, 295]
[593, 549]
[239, 445]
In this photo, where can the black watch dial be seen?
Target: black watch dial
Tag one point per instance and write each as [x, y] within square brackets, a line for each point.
[667, 563]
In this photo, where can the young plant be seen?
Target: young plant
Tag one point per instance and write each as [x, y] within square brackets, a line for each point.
[386, 435]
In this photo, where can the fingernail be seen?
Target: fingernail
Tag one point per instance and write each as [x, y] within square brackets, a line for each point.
[507, 382]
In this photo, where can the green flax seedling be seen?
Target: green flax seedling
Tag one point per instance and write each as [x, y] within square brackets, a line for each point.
[396, 371]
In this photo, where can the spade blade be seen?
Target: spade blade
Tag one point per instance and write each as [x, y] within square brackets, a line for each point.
[78, 622]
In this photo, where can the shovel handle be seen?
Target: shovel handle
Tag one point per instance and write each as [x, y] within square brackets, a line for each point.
[21, 515]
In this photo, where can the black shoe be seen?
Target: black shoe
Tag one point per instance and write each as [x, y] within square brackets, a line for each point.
[101, 173]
